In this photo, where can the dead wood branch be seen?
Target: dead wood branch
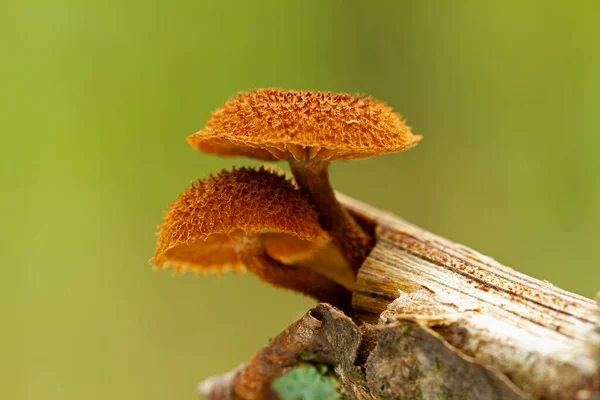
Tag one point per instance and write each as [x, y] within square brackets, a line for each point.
[441, 321]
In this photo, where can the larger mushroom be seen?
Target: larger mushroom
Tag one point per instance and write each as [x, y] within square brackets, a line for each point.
[309, 129]
[249, 219]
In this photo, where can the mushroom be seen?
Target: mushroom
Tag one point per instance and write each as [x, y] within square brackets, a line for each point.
[309, 129]
[233, 220]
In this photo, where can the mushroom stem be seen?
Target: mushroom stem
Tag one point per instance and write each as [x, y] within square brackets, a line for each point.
[251, 251]
[355, 244]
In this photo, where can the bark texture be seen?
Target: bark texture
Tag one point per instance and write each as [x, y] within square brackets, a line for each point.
[437, 320]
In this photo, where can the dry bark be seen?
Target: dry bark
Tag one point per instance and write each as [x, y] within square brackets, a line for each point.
[437, 320]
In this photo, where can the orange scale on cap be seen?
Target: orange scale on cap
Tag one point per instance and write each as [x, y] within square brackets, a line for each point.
[271, 124]
[201, 229]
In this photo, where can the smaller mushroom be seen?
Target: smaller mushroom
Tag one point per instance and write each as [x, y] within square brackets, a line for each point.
[249, 219]
[309, 130]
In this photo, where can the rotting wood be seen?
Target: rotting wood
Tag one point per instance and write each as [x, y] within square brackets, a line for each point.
[323, 335]
[542, 338]
[440, 320]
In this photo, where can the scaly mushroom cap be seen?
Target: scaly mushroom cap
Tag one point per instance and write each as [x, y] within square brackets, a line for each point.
[272, 124]
[201, 229]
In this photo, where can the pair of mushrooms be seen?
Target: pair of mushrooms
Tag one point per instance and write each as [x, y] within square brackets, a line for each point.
[294, 235]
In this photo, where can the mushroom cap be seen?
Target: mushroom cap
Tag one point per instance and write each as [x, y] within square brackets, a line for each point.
[273, 124]
[202, 227]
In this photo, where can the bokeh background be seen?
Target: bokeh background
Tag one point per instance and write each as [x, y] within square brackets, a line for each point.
[99, 95]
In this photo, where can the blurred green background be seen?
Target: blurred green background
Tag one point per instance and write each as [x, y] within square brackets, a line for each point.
[98, 97]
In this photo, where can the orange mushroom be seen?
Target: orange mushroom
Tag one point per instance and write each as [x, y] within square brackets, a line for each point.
[309, 130]
[234, 219]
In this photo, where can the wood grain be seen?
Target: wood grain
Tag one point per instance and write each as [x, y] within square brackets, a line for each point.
[543, 339]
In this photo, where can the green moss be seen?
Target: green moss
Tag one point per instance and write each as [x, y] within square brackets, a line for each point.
[307, 382]
[418, 395]
[414, 372]
[386, 396]
[405, 329]
[362, 379]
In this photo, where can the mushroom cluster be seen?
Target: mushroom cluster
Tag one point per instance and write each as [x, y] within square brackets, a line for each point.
[290, 234]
